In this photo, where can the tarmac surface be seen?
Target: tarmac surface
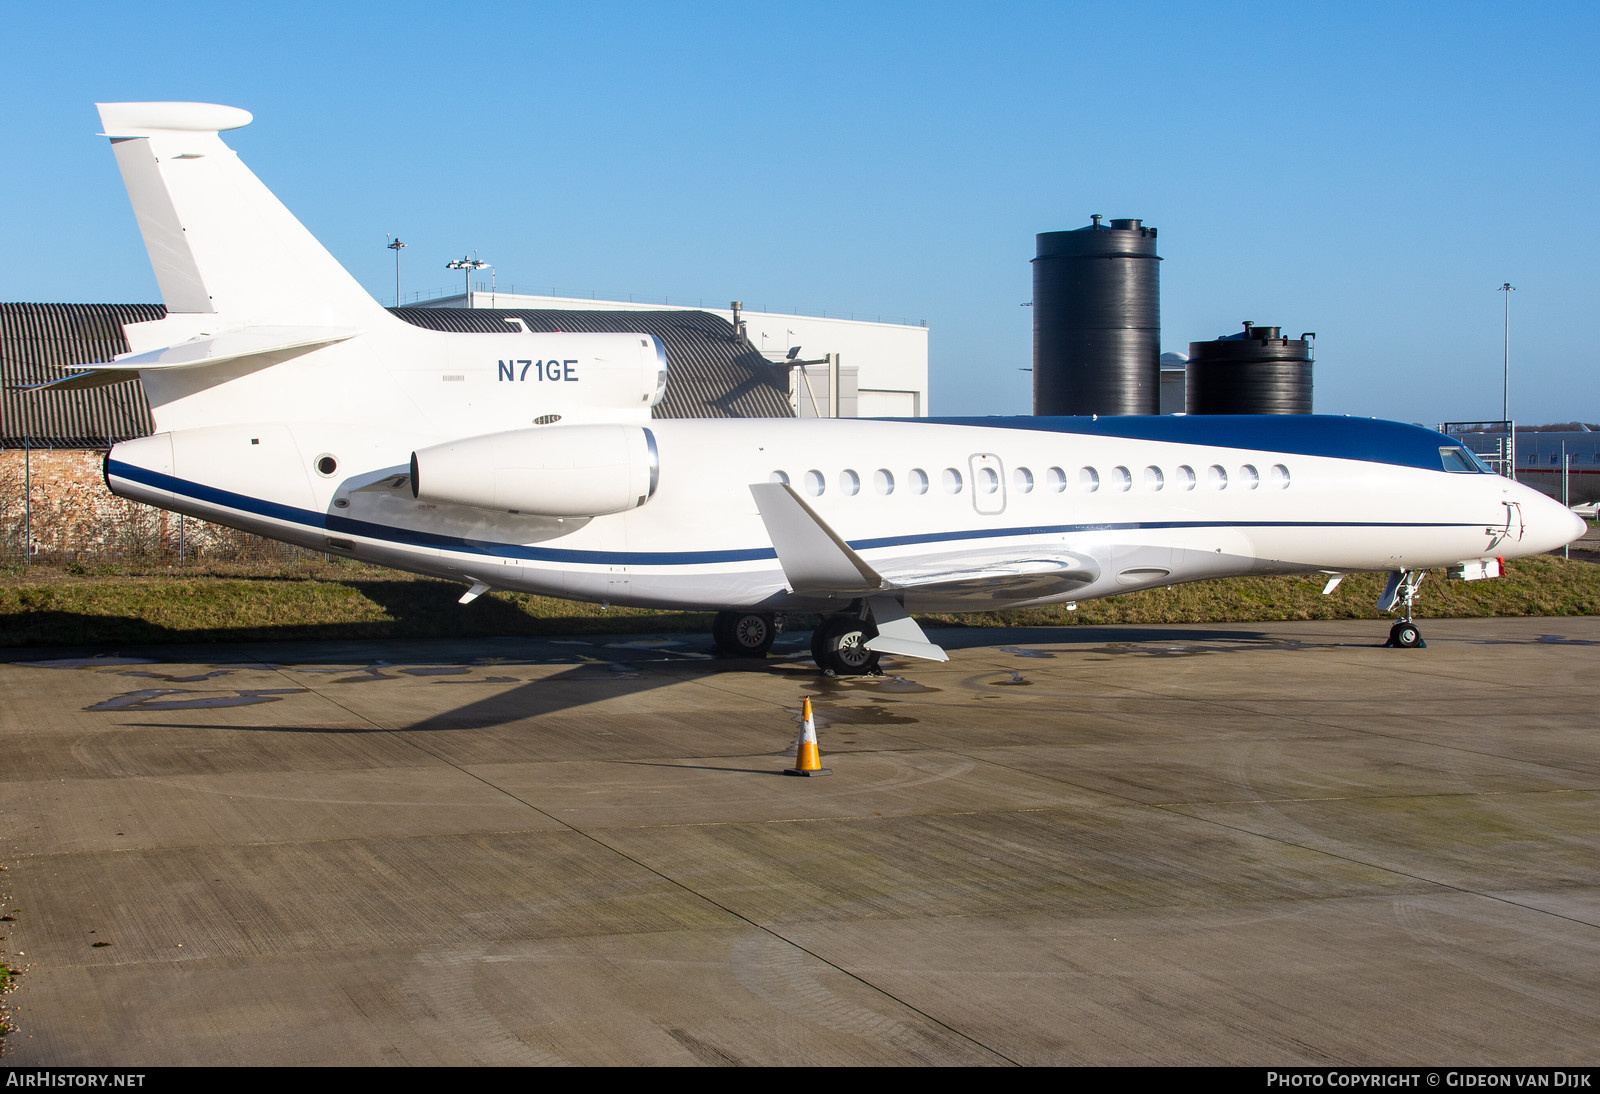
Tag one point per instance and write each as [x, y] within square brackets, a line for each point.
[1235, 844]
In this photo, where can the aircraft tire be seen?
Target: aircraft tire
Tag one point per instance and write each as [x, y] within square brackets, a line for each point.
[743, 634]
[1405, 635]
[839, 646]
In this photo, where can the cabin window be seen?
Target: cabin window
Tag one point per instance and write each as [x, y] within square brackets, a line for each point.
[849, 483]
[952, 481]
[1249, 477]
[1184, 477]
[1279, 476]
[1121, 479]
[883, 481]
[1021, 480]
[1088, 480]
[778, 476]
[815, 483]
[1153, 478]
[1216, 477]
[985, 480]
[1056, 479]
[919, 481]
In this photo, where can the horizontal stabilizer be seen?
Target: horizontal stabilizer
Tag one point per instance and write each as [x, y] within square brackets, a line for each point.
[814, 558]
[280, 343]
[267, 345]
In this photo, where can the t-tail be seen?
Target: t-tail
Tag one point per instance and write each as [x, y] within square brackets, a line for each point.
[246, 287]
[222, 245]
[264, 325]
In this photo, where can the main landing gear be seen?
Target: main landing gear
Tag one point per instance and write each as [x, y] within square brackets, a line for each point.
[838, 645]
[746, 634]
[1402, 590]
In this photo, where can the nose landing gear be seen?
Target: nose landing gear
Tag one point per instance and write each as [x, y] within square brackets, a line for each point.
[1402, 590]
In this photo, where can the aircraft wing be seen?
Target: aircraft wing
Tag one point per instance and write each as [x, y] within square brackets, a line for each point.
[817, 561]
[1001, 583]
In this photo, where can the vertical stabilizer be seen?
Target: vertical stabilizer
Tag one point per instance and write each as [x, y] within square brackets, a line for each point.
[219, 241]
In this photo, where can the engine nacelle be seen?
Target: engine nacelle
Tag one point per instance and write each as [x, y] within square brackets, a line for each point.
[557, 471]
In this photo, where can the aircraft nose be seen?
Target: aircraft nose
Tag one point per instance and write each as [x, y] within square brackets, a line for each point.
[1549, 523]
[1577, 529]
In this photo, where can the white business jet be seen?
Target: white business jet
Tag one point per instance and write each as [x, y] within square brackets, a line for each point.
[288, 403]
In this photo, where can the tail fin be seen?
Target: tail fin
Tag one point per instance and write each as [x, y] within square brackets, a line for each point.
[219, 240]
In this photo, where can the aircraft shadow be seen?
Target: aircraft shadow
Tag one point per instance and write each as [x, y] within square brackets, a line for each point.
[410, 609]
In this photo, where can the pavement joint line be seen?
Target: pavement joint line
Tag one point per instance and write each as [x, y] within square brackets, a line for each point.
[676, 883]
[808, 951]
[1361, 731]
[1381, 797]
[1179, 807]
[1388, 869]
[1343, 733]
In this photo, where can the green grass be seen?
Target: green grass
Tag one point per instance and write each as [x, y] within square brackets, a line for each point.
[339, 600]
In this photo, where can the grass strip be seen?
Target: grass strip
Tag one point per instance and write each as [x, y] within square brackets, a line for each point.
[44, 607]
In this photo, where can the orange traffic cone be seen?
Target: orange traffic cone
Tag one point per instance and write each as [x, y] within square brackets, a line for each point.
[807, 760]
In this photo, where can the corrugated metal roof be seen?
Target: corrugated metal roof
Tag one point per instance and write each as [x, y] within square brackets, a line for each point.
[36, 340]
[711, 375]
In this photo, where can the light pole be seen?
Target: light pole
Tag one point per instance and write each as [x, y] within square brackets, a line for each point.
[1505, 383]
[466, 266]
[395, 245]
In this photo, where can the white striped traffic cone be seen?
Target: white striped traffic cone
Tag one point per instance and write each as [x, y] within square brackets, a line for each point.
[807, 760]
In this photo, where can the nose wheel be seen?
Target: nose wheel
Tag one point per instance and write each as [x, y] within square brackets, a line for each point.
[1404, 635]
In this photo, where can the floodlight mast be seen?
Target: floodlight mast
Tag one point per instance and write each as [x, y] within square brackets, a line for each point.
[395, 245]
[467, 266]
[1505, 382]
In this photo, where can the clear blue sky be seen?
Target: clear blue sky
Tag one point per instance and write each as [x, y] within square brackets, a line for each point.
[1369, 171]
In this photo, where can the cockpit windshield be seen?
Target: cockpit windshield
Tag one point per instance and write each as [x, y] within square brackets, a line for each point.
[1462, 460]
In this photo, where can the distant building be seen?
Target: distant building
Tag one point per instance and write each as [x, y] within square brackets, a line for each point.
[869, 369]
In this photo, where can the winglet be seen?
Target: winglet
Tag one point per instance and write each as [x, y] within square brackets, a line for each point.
[814, 557]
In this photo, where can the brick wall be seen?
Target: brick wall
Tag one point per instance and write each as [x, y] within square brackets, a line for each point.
[74, 517]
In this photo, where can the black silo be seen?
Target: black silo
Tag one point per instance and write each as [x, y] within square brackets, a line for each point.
[1255, 372]
[1097, 320]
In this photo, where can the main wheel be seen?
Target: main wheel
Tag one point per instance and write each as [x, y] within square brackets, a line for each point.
[1405, 635]
[743, 634]
[839, 645]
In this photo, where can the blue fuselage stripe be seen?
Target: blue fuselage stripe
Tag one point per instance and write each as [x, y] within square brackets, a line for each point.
[413, 537]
